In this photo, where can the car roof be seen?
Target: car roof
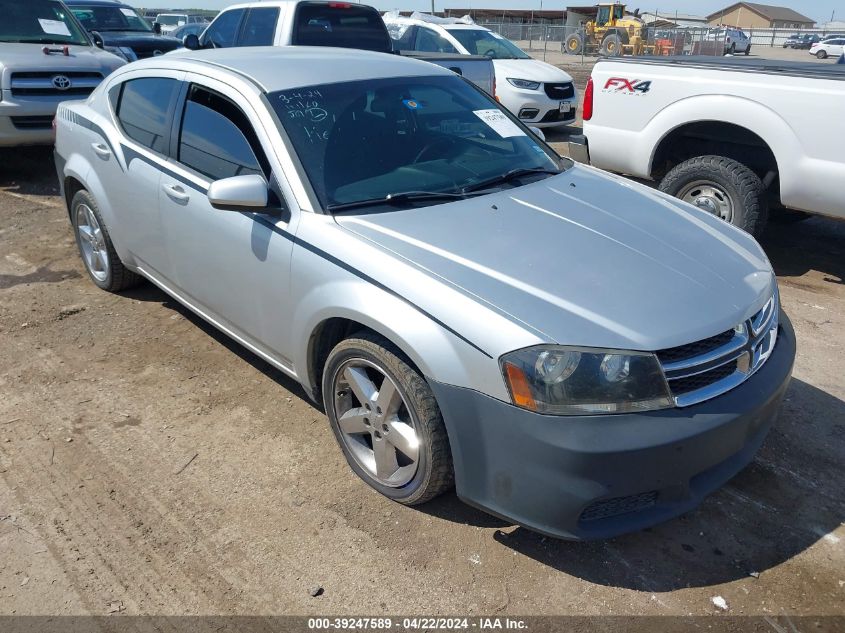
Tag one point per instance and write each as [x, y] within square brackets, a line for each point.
[283, 67]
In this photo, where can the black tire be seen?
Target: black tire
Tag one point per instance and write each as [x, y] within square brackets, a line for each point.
[434, 474]
[822, 54]
[748, 50]
[118, 277]
[732, 49]
[611, 46]
[744, 188]
[574, 44]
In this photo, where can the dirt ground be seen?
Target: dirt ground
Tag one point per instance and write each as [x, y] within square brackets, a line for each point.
[150, 466]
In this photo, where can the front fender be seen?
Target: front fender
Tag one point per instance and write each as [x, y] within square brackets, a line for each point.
[437, 353]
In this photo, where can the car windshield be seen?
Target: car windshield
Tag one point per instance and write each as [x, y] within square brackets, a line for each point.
[39, 22]
[100, 18]
[483, 42]
[372, 139]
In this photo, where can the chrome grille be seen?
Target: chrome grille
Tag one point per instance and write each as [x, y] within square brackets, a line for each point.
[39, 84]
[708, 368]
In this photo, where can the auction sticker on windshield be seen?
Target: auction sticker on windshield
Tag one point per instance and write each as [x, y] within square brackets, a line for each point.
[503, 126]
[54, 27]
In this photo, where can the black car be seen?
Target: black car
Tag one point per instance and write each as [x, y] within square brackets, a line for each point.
[120, 29]
[801, 41]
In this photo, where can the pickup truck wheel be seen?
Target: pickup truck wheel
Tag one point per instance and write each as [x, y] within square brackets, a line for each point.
[574, 44]
[95, 246]
[723, 187]
[386, 420]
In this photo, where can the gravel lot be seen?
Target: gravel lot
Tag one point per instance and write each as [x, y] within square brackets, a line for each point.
[150, 466]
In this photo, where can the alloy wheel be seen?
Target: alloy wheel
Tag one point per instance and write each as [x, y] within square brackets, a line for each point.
[92, 242]
[376, 423]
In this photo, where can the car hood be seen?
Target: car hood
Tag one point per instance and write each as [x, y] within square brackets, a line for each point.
[140, 39]
[585, 258]
[29, 57]
[532, 69]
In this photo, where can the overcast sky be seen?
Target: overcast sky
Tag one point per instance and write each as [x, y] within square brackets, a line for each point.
[819, 10]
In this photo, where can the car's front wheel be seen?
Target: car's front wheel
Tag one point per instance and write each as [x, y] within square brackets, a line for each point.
[386, 420]
[95, 246]
[723, 187]
[822, 54]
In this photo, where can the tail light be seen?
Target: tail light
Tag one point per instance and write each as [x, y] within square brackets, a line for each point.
[339, 5]
[588, 101]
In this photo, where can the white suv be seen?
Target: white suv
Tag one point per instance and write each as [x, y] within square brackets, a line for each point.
[539, 94]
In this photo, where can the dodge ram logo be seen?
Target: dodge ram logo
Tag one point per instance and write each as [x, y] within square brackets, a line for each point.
[61, 82]
[627, 86]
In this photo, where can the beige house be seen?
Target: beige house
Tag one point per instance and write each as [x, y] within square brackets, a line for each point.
[752, 15]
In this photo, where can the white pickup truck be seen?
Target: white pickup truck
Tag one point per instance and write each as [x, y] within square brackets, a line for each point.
[325, 23]
[733, 136]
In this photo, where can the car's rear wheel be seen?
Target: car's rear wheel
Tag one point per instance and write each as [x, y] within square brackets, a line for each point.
[723, 187]
[95, 246]
[386, 420]
[822, 54]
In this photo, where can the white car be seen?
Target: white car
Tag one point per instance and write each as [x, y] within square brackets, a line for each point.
[539, 94]
[828, 48]
[736, 41]
[171, 21]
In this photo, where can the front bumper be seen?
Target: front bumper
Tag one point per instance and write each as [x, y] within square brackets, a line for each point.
[534, 108]
[25, 122]
[600, 476]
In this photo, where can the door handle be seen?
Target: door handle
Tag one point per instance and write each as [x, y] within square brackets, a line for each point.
[176, 193]
[101, 150]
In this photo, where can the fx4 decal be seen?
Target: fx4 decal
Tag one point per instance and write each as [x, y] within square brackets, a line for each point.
[627, 86]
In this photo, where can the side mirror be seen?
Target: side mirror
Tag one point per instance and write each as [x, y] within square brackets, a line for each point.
[98, 39]
[191, 41]
[538, 133]
[157, 27]
[239, 193]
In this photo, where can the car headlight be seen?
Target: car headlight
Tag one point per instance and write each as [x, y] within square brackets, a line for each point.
[525, 84]
[123, 52]
[559, 380]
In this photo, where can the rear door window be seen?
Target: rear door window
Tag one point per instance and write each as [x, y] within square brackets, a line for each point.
[223, 32]
[216, 139]
[430, 42]
[145, 111]
[340, 24]
[259, 27]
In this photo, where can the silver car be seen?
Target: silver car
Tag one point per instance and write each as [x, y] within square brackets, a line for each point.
[570, 350]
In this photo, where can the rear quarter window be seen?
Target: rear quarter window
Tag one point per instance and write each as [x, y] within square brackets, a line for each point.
[145, 110]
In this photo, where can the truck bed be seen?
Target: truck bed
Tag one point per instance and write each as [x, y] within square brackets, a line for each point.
[834, 72]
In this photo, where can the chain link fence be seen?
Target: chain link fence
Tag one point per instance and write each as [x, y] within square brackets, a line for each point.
[550, 41]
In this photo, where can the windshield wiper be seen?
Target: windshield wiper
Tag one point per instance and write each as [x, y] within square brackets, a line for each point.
[393, 199]
[507, 176]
